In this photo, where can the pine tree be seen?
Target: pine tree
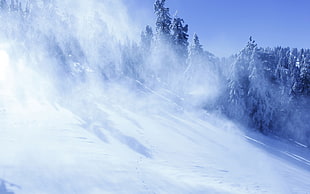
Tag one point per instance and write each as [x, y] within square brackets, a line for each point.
[258, 101]
[281, 73]
[304, 80]
[296, 63]
[251, 44]
[196, 47]
[163, 21]
[146, 38]
[239, 83]
[195, 57]
[180, 36]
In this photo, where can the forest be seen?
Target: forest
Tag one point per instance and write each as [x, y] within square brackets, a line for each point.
[263, 89]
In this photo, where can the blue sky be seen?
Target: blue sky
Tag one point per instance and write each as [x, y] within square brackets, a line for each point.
[225, 25]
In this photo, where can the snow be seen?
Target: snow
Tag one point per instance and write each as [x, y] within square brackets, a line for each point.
[47, 148]
[4, 62]
[75, 117]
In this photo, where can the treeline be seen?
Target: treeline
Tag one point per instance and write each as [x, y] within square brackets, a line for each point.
[267, 89]
[264, 88]
[14, 6]
[170, 59]
[171, 31]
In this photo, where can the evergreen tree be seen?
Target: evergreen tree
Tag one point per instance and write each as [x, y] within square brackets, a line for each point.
[281, 73]
[293, 71]
[196, 47]
[180, 36]
[258, 101]
[163, 21]
[238, 83]
[146, 38]
[195, 57]
[251, 45]
[304, 80]
[131, 61]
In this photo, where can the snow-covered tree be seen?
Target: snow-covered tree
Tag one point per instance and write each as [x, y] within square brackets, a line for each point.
[259, 103]
[249, 87]
[303, 84]
[196, 59]
[180, 36]
[163, 21]
[251, 44]
[15, 6]
[239, 77]
[195, 48]
[146, 38]
[131, 60]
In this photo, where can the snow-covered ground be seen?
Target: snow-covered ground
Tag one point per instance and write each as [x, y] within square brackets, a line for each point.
[46, 148]
[73, 119]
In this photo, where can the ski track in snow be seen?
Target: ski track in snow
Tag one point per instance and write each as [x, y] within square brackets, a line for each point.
[302, 158]
[132, 151]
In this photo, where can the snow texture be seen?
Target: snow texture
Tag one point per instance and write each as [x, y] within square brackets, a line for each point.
[85, 108]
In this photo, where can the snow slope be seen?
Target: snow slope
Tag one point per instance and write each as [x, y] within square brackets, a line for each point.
[67, 127]
[46, 148]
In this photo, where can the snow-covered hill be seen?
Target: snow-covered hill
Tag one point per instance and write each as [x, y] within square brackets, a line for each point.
[88, 108]
[46, 148]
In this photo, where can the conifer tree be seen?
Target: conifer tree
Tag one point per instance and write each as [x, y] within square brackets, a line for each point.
[195, 54]
[251, 44]
[195, 48]
[163, 21]
[146, 38]
[260, 108]
[180, 36]
[239, 82]
[304, 80]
